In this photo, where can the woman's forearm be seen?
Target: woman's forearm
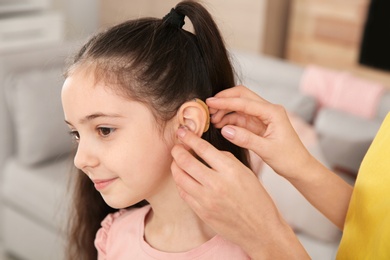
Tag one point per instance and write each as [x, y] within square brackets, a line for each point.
[325, 190]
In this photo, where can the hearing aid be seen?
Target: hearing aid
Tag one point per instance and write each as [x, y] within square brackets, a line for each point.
[203, 104]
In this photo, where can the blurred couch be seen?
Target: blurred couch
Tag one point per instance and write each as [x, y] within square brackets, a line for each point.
[34, 152]
[337, 137]
[35, 149]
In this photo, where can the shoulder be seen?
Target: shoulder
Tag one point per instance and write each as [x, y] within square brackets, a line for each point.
[115, 224]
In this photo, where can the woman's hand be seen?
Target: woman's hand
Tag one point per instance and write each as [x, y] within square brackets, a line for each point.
[231, 200]
[251, 122]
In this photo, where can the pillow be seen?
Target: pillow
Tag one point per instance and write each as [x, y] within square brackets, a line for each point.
[34, 99]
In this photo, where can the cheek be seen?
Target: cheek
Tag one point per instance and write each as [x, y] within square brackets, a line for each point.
[146, 170]
[144, 154]
[144, 151]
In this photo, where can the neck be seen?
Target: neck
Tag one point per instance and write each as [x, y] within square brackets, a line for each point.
[171, 225]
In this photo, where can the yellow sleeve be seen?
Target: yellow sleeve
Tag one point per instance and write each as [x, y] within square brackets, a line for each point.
[366, 232]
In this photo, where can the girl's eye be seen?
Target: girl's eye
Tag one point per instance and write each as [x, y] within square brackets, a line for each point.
[75, 135]
[105, 131]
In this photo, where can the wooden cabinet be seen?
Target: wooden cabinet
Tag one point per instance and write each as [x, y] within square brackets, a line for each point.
[328, 33]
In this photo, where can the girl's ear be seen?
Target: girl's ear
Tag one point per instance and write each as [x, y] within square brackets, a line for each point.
[195, 116]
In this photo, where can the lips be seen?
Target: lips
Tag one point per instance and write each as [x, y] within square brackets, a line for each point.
[102, 184]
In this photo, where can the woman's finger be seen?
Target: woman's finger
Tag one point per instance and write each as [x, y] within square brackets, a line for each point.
[262, 110]
[188, 165]
[238, 91]
[251, 123]
[186, 185]
[235, 92]
[243, 138]
[211, 155]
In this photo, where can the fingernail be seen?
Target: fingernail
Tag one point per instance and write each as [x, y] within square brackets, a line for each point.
[181, 132]
[228, 132]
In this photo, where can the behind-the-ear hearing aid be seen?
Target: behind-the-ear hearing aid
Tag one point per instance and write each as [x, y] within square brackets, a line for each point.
[203, 104]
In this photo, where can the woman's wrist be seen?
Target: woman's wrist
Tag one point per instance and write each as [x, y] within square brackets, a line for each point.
[303, 166]
[278, 241]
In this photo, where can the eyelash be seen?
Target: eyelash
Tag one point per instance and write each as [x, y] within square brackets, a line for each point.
[76, 136]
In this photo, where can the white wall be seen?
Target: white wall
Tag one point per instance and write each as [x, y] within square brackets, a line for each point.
[241, 22]
[253, 25]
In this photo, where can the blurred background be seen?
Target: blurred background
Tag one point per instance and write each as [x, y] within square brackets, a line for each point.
[275, 41]
[327, 32]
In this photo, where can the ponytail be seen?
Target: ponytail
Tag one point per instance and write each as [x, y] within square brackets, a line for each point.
[211, 45]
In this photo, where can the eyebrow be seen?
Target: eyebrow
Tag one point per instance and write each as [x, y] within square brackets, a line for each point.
[94, 116]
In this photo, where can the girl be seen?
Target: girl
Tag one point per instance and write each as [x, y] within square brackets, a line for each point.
[126, 94]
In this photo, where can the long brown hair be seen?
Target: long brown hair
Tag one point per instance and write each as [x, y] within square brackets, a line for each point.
[155, 62]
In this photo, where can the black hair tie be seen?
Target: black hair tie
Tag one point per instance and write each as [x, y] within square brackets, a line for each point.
[174, 18]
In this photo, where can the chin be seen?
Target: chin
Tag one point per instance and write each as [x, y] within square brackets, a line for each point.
[120, 204]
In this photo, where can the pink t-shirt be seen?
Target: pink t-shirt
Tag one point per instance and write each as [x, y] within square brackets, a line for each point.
[122, 237]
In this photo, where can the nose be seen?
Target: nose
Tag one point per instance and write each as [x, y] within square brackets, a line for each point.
[86, 156]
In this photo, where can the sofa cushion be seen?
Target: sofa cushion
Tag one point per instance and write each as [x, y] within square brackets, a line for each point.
[39, 192]
[296, 210]
[34, 100]
[29, 239]
[266, 69]
[344, 138]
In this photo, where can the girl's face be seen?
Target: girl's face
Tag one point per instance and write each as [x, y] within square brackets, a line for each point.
[120, 147]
